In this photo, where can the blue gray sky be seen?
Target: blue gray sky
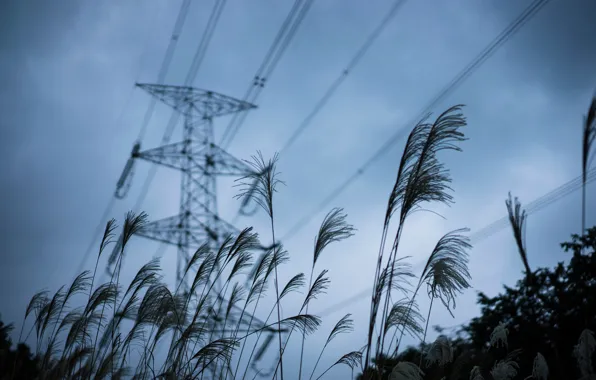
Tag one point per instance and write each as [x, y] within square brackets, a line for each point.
[70, 116]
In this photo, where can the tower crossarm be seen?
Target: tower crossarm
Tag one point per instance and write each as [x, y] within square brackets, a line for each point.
[172, 155]
[223, 163]
[205, 158]
[227, 228]
[208, 104]
[169, 230]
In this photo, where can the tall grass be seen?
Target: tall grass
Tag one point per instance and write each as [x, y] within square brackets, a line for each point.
[118, 330]
[588, 137]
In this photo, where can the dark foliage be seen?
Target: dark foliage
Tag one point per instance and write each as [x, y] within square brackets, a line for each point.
[19, 360]
[546, 315]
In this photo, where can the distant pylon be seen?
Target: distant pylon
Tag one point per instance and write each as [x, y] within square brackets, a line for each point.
[197, 223]
[200, 162]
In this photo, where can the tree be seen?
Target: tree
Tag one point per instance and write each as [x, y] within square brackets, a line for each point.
[546, 315]
[21, 361]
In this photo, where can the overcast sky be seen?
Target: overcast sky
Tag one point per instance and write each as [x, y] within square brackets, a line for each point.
[70, 117]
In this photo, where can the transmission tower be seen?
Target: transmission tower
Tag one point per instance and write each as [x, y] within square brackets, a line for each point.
[200, 161]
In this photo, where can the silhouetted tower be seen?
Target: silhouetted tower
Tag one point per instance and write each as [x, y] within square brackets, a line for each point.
[200, 161]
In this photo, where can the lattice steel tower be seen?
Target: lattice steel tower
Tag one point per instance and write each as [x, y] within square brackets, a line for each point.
[200, 162]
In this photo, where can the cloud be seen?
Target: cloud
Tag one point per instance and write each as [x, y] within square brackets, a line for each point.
[70, 74]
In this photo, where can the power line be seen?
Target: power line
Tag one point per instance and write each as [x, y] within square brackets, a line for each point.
[335, 85]
[537, 204]
[513, 28]
[165, 65]
[280, 43]
[164, 68]
[190, 78]
[344, 74]
[297, 14]
[489, 230]
[180, 19]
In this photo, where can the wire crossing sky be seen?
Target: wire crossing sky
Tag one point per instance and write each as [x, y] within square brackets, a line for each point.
[487, 231]
[526, 15]
[68, 71]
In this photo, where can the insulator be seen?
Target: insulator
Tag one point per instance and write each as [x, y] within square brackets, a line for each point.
[125, 180]
[263, 374]
[116, 251]
[245, 211]
[246, 201]
[266, 344]
[249, 195]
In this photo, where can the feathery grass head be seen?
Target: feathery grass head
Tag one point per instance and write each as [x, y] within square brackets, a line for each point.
[132, 224]
[517, 219]
[475, 373]
[197, 256]
[203, 272]
[344, 325]
[280, 256]
[333, 229]
[236, 296]
[406, 371]
[498, 337]
[440, 351]
[505, 370]
[37, 302]
[305, 323]
[260, 184]
[589, 135]
[446, 270]
[108, 235]
[405, 313]
[243, 260]
[539, 368]
[406, 165]
[294, 284]
[49, 313]
[260, 268]
[400, 273]
[421, 176]
[584, 350]
[351, 359]
[319, 286]
[220, 349]
[146, 276]
[80, 284]
[244, 243]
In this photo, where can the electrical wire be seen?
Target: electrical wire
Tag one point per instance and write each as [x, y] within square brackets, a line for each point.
[280, 43]
[180, 19]
[190, 78]
[513, 28]
[164, 68]
[339, 80]
[537, 204]
[489, 230]
[165, 65]
[344, 74]
[292, 21]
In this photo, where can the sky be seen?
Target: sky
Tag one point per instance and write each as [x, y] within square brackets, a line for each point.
[70, 115]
